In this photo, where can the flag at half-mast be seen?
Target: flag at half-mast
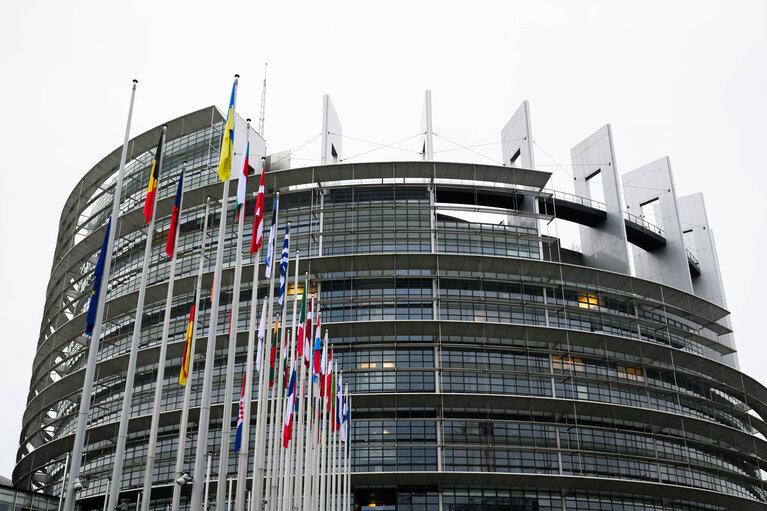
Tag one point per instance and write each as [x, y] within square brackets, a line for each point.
[151, 190]
[171, 244]
[261, 335]
[345, 416]
[323, 365]
[287, 430]
[270, 245]
[284, 265]
[301, 323]
[338, 402]
[242, 180]
[328, 378]
[227, 142]
[98, 275]
[238, 434]
[308, 334]
[186, 360]
[273, 352]
[332, 402]
[317, 359]
[258, 223]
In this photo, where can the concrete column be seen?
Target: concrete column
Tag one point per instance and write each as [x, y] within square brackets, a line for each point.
[604, 245]
[331, 133]
[516, 139]
[699, 241]
[427, 139]
[652, 187]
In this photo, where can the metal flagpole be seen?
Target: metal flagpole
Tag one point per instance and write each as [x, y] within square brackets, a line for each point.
[207, 481]
[298, 489]
[122, 434]
[333, 468]
[90, 369]
[106, 494]
[181, 449]
[226, 426]
[277, 410]
[286, 498]
[272, 423]
[336, 486]
[151, 451]
[210, 355]
[316, 429]
[229, 500]
[343, 442]
[348, 452]
[258, 464]
[249, 375]
[63, 481]
[324, 436]
[309, 424]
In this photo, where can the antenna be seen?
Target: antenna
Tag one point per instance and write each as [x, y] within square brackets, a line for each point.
[263, 106]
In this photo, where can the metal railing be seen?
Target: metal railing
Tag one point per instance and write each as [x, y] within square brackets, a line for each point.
[583, 201]
[692, 258]
[642, 223]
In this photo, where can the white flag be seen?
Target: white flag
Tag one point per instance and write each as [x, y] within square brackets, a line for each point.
[261, 335]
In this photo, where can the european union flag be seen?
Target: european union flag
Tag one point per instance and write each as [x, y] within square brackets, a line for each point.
[98, 274]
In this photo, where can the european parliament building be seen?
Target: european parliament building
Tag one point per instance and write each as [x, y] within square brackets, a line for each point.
[491, 367]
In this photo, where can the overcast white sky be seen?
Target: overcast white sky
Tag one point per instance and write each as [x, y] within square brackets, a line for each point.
[684, 79]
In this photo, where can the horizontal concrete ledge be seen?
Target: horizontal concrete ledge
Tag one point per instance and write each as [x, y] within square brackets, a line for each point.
[668, 492]
[726, 437]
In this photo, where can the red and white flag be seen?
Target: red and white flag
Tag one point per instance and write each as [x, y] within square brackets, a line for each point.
[258, 223]
[242, 180]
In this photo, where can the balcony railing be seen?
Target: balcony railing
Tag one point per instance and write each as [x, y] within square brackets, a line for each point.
[643, 223]
[583, 201]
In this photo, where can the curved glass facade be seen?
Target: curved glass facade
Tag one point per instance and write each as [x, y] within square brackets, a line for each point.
[486, 374]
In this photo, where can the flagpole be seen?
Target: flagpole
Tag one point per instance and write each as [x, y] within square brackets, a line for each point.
[204, 420]
[90, 369]
[122, 434]
[348, 451]
[242, 459]
[226, 426]
[323, 443]
[181, 448]
[342, 447]
[286, 483]
[160, 382]
[277, 410]
[298, 487]
[333, 449]
[258, 461]
[316, 430]
[309, 422]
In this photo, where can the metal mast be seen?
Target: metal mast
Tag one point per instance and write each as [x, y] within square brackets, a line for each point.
[263, 106]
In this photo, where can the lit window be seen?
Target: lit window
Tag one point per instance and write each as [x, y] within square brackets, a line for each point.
[630, 373]
[587, 301]
[567, 363]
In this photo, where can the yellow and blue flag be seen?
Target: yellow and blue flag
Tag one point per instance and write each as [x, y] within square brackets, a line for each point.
[227, 142]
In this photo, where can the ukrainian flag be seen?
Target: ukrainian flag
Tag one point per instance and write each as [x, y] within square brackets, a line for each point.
[227, 144]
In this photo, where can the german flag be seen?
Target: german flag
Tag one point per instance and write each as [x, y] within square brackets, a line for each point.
[185, 361]
[153, 177]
